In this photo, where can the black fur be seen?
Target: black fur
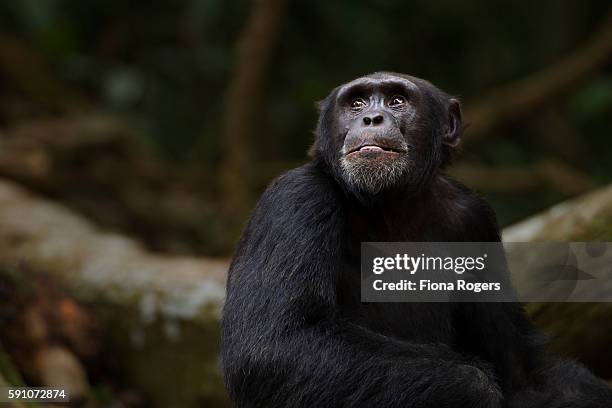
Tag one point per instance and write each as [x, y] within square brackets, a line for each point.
[295, 334]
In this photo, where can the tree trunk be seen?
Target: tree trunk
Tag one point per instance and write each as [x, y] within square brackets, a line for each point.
[242, 100]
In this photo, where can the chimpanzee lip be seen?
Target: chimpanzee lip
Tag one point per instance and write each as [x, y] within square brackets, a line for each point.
[376, 147]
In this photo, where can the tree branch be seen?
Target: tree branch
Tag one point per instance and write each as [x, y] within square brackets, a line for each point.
[551, 174]
[516, 100]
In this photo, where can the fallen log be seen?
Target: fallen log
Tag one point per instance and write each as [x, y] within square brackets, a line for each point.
[159, 314]
[580, 330]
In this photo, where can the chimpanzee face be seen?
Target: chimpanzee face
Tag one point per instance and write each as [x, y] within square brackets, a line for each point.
[384, 130]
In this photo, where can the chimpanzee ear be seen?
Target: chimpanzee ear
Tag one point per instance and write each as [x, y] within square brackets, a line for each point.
[454, 126]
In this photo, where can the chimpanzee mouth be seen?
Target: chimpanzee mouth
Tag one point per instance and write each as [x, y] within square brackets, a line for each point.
[375, 148]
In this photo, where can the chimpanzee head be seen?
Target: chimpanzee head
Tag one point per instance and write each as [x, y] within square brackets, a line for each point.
[386, 131]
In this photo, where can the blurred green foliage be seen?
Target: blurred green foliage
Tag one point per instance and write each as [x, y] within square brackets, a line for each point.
[164, 67]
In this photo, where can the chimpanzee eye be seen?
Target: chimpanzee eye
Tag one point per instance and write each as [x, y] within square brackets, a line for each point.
[358, 104]
[397, 101]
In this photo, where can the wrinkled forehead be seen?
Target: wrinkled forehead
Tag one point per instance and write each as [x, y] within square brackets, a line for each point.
[378, 83]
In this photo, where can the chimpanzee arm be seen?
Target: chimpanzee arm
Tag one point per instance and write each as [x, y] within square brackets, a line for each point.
[498, 332]
[283, 341]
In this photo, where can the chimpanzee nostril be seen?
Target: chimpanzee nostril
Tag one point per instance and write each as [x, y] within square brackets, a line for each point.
[374, 120]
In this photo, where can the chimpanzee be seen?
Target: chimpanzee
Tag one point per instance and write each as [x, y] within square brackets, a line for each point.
[295, 332]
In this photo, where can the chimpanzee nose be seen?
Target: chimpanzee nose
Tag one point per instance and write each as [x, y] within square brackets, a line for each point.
[374, 119]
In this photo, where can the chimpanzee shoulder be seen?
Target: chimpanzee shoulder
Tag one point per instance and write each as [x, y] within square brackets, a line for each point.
[298, 206]
[303, 190]
[469, 217]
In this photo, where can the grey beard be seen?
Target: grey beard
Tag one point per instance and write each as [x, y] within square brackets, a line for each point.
[373, 176]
